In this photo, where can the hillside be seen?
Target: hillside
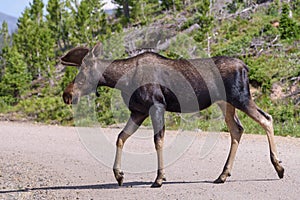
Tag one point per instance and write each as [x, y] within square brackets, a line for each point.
[263, 34]
[11, 22]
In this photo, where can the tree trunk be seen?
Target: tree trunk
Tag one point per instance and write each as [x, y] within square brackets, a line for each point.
[126, 9]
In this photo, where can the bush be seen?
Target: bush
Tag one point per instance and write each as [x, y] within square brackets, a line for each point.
[273, 9]
[50, 110]
[286, 117]
[288, 27]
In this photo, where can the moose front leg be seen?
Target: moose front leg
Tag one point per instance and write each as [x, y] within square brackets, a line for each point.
[134, 122]
[157, 117]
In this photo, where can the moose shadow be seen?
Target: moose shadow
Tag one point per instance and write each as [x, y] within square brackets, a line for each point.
[111, 186]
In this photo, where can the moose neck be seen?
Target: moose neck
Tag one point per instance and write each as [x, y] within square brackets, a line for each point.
[115, 73]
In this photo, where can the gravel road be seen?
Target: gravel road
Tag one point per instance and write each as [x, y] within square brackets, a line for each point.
[50, 162]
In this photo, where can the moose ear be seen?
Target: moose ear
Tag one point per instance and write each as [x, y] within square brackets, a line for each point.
[97, 50]
[74, 57]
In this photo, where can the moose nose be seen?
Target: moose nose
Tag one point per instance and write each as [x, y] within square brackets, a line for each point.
[67, 97]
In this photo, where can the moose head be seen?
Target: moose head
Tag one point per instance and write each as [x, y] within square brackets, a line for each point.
[90, 72]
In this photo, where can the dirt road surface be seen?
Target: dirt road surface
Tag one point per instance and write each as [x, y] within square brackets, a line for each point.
[50, 162]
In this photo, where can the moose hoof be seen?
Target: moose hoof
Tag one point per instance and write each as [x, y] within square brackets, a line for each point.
[119, 175]
[120, 180]
[156, 184]
[221, 179]
[159, 180]
[280, 171]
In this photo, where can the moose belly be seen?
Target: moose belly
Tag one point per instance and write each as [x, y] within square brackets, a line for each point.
[183, 102]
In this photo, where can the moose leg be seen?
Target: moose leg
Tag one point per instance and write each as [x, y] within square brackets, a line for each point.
[236, 130]
[157, 117]
[135, 120]
[266, 121]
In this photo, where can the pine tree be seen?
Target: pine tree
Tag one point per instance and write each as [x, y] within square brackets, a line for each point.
[295, 5]
[144, 10]
[288, 27]
[89, 24]
[172, 4]
[35, 42]
[4, 42]
[98, 24]
[36, 10]
[59, 22]
[234, 5]
[25, 40]
[16, 79]
[203, 19]
[123, 10]
[137, 11]
[22, 39]
[54, 18]
[4, 35]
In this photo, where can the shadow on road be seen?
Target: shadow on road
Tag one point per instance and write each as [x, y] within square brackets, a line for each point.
[115, 185]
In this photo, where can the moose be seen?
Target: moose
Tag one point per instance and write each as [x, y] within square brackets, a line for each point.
[152, 84]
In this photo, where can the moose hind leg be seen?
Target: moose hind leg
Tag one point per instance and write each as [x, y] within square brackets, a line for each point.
[135, 120]
[266, 121]
[157, 117]
[236, 130]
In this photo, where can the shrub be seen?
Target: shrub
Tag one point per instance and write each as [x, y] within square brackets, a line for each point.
[288, 27]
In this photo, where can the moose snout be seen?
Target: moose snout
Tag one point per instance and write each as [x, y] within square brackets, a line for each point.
[70, 98]
[67, 97]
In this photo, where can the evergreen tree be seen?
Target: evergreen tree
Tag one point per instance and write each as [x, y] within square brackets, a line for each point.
[16, 79]
[123, 10]
[144, 10]
[4, 35]
[35, 42]
[234, 5]
[54, 18]
[288, 27]
[36, 10]
[204, 19]
[137, 11]
[45, 53]
[4, 42]
[60, 22]
[295, 5]
[99, 26]
[172, 4]
[22, 39]
[89, 22]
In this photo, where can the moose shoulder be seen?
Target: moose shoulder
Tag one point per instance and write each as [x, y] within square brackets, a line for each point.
[151, 84]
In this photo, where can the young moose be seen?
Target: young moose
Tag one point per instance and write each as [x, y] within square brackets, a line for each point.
[151, 84]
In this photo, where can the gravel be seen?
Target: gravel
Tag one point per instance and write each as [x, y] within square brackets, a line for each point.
[50, 162]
